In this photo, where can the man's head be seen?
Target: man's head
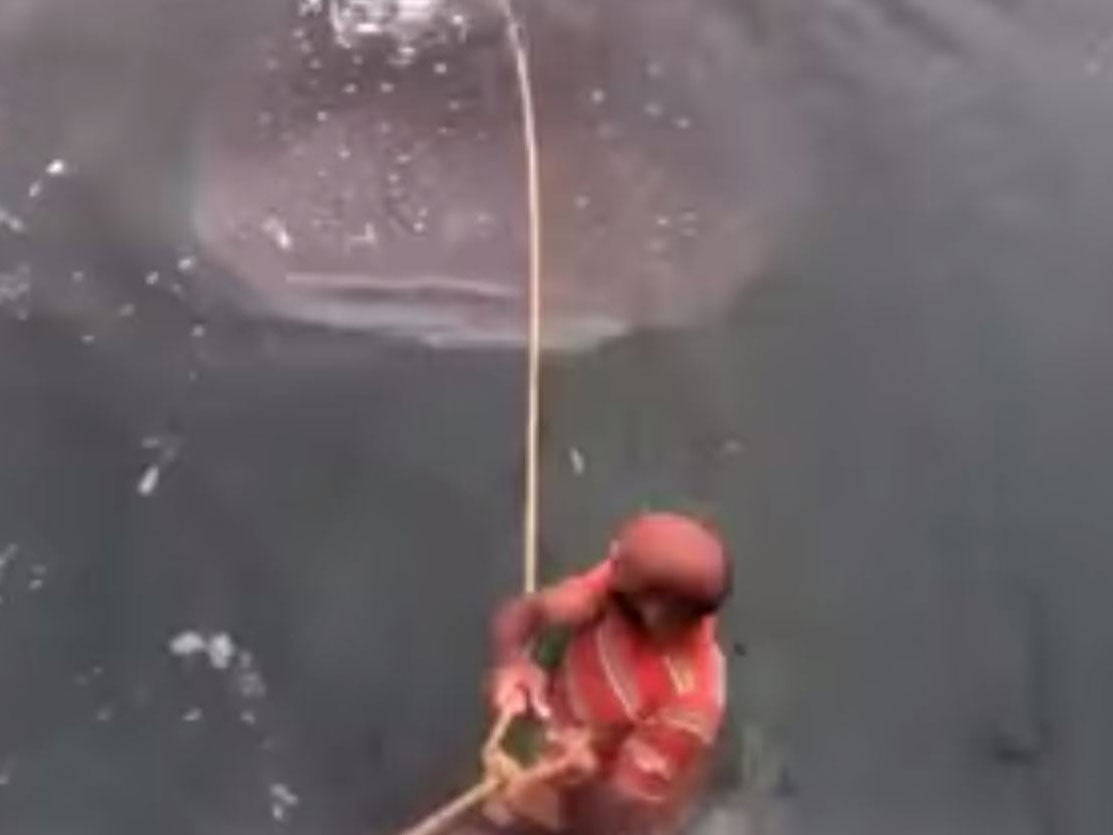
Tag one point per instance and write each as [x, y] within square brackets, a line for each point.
[670, 571]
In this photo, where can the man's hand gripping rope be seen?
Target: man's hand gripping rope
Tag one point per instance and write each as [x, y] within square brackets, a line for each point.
[510, 791]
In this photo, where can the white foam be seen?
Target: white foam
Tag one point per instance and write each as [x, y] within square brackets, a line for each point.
[402, 20]
[223, 654]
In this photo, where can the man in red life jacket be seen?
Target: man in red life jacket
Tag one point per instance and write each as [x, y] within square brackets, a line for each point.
[640, 685]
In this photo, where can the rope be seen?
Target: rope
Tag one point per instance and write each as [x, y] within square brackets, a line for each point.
[491, 783]
[448, 814]
[517, 40]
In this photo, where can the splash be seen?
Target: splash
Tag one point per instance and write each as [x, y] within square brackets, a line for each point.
[218, 648]
[352, 20]
[247, 690]
[362, 170]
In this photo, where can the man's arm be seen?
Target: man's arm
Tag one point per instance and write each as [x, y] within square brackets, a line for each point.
[571, 603]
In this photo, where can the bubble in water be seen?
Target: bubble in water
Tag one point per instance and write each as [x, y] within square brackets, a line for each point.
[188, 643]
[404, 55]
[12, 222]
[148, 482]
[282, 800]
[276, 230]
[732, 447]
[15, 287]
[221, 650]
[6, 556]
[368, 237]
[576, 458]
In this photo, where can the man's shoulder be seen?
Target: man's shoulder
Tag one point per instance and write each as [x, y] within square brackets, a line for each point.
[577, 599]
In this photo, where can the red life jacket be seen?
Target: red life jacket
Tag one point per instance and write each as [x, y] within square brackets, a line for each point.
[654, 710]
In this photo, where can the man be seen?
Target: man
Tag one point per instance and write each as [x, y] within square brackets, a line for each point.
[637, 693]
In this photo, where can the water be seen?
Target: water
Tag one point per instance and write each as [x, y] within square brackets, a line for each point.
[896, 401]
